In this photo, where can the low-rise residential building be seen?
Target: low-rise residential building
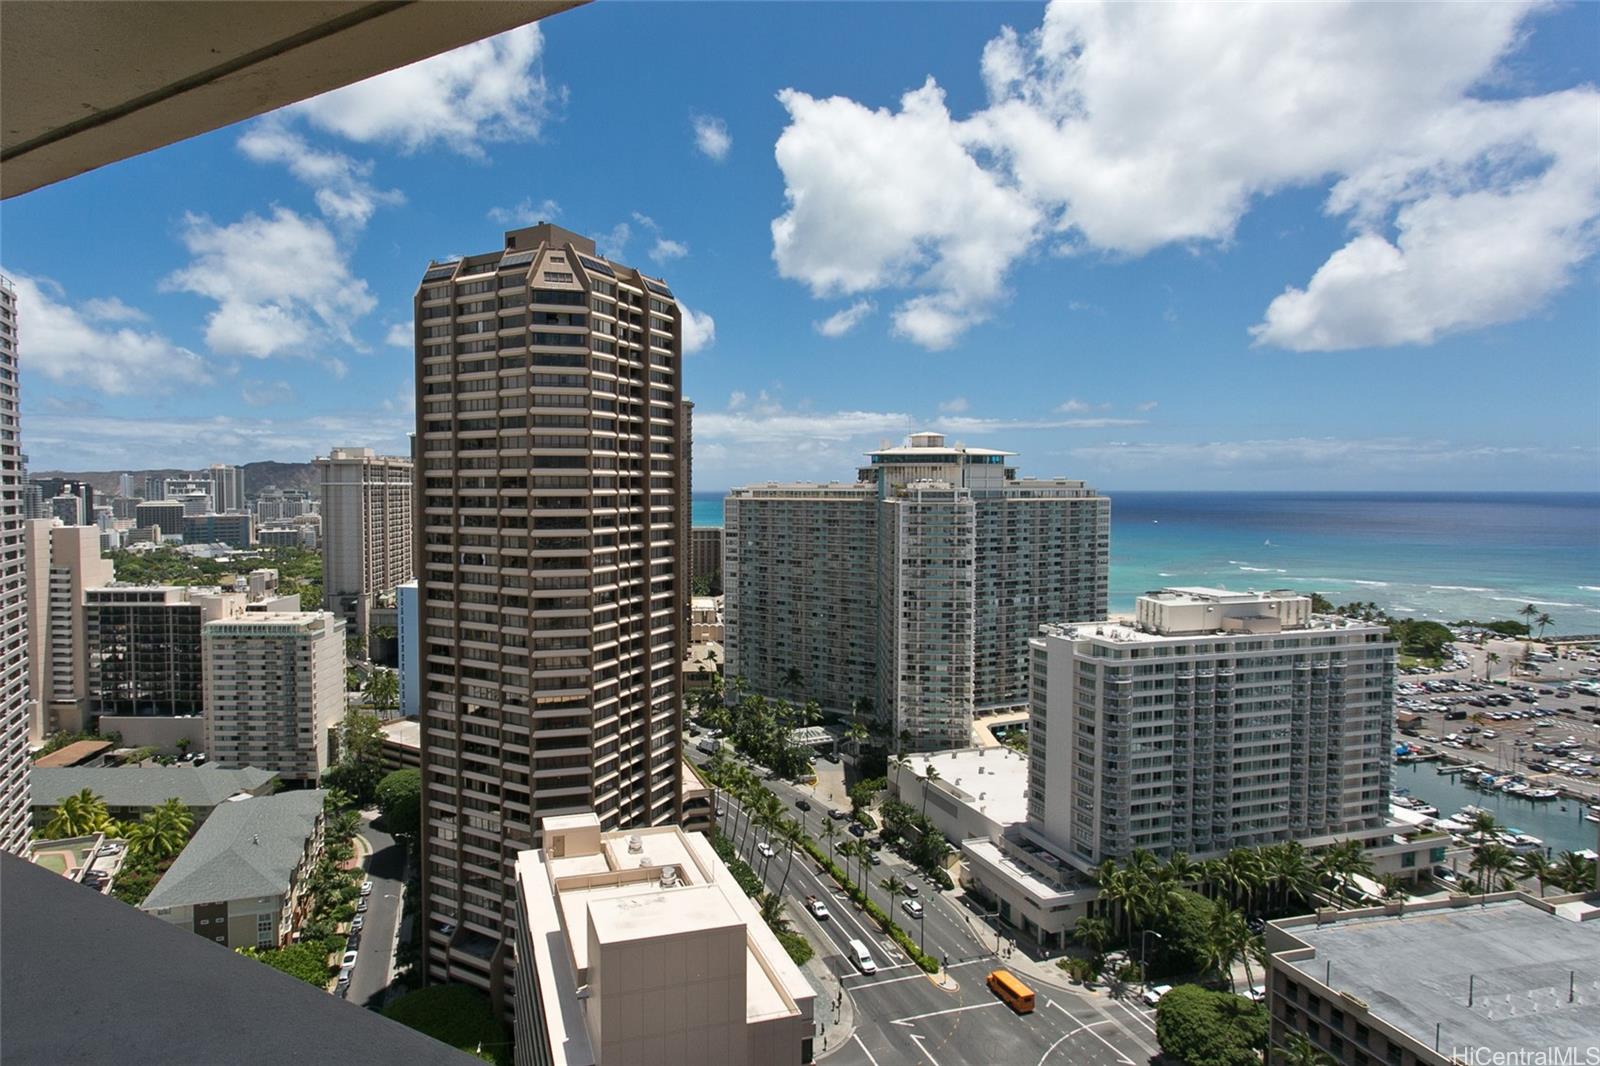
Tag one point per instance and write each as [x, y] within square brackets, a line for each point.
[698, 813]
[638, 946]
[78, 753]
[966, 793]
[1479, 979]
[274, 686]
[241, 881]
[402, 743]
[130, 792]
[705, 619]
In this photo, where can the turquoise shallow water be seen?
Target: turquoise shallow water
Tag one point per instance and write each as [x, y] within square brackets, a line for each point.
[1443, 556]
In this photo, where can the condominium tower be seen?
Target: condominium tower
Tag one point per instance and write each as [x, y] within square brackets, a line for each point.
[551, 578]
[916, 587]
[63, 563]
[13, 600]
[144, 647]
[274, 686]
[366, 529]
[1217, 720]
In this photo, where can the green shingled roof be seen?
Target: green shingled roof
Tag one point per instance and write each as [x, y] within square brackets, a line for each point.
[247, 848]
[140, 786]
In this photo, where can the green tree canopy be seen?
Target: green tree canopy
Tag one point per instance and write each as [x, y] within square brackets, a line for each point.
[400, 802]
[1205, 1028]
[383, 690]
[456, 1015]
[360, 765]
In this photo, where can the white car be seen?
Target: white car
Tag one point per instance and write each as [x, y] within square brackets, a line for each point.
[911, 907]
[818, 909]
[360, 920]
[765, 849]
[349, 960]
[1258, 992]
[1153, 995]
[366, 888]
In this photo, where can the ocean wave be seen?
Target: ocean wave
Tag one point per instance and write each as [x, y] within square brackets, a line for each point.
[1163, 573]
[1590, 588]
[1262, 570]
[1404, 610]
[1237, 562]
[1459, 588]
[1344, 581]
[1536, 603]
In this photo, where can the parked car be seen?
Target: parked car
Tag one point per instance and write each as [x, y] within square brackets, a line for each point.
[360, 920]
[349, 961]
[1153, 995]
[361, 906]
[1258, 992]
[366, 888]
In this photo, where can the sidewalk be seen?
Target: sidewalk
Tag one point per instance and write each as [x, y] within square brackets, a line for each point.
[834, 1025]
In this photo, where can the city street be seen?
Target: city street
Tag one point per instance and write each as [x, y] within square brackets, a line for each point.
[385, 869]
[904, 1016]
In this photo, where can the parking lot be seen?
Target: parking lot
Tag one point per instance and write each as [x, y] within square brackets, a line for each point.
[1543, 723]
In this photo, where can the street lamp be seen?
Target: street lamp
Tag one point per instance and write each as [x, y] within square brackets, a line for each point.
[1144, 953]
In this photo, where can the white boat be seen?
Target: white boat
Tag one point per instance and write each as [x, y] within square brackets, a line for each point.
[1514, 788]
[1522, 843]
[1541, 794]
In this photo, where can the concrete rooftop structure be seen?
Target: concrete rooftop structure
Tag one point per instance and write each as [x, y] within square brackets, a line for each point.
[1495, 975]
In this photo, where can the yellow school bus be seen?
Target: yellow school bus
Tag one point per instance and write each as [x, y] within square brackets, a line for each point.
[1017, 995]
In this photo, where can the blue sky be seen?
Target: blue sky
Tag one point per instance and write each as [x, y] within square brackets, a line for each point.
[1152, 247]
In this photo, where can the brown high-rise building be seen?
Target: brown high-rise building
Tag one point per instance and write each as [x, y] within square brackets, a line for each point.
[550, 536]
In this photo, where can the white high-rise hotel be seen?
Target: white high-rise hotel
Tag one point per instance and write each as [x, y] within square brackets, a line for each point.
[917, 586]
[13, 599]
[1218, 720]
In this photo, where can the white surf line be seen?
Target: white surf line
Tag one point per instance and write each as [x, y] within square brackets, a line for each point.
[1112, 1047]
[1085, 1026]
[950, 1010]
[918, 1039]
[857, 1038]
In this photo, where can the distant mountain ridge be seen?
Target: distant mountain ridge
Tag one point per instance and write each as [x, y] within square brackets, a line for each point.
[257, 476]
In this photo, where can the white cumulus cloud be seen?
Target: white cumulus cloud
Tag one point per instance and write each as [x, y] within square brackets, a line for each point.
[525, 213]
[711, 137]
[281, 284]
[955, 406]
[339, 183]
[699, 329]
[843, 321]
[64, 344]
[1122, 128]
[485, 92]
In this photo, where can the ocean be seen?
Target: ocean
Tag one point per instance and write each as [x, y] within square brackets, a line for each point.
[1440, 556]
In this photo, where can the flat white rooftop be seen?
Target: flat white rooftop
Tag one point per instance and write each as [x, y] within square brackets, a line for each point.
[991, 780]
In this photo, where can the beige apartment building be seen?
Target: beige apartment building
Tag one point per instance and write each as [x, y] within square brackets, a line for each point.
[274, 686]
[916, 587]
[63, 563]
[551, 532]
[13, 599]
[1217, 720]
[640, 947]
[366, 530]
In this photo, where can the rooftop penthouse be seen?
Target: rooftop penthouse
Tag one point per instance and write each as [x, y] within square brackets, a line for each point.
[639, 946]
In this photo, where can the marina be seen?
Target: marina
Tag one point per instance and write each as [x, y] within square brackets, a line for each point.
[1560, 823]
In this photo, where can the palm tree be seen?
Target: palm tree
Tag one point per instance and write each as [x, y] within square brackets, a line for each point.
[1491, 862]
[79, 814]
[1247, 873]
[793, 679]
[771, 905]
[1543, 621]
[1393, 887]
[383, 690]
[1489, 663]
[1574, 872]
[829, 831]
[1180, 869]
[930, 776]
[1298, 1051]
[1535, 867]
[894, 886]
[1291, 872]
[789, 831]
[1093, 933]
[162, 833]
[1227, 938]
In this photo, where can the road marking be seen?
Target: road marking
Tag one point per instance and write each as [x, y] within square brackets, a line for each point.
[857, 1038]
[923, 1049]
[1138, 1015]
[951, 1010]
[880, 969]
[890, 981]
[1120, 1056]
[1069, 1036]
